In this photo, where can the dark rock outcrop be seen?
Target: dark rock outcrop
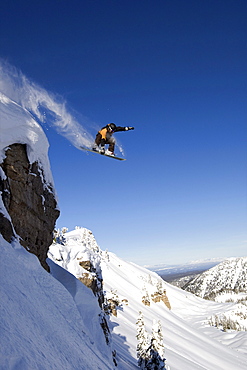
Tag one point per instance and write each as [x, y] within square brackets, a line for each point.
[29, 201]
[93, 280]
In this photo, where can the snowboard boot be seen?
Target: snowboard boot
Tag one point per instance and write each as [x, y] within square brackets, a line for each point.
[108, 152]
[95, 148]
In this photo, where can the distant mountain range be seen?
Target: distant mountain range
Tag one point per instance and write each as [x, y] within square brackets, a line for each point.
[228, 276]
[172, 272]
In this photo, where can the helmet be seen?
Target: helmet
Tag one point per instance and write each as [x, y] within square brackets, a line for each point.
[112, 126]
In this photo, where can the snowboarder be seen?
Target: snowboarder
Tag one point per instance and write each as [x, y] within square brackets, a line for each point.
[104, 136]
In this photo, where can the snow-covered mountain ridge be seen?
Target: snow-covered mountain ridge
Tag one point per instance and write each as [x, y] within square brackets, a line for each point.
[228, 276]
[188, 339]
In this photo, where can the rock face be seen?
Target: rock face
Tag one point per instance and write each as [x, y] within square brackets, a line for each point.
[29, 202]
[161, 297]
[92, 279]
[158, 296]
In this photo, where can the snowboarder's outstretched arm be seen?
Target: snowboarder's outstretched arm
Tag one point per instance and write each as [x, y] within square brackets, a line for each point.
[119, 128]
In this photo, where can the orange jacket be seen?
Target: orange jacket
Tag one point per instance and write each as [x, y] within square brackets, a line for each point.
[103, 132]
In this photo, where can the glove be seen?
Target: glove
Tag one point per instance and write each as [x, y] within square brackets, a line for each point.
[129, 128]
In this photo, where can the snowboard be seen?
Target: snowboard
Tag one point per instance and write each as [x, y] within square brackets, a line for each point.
[105, 155]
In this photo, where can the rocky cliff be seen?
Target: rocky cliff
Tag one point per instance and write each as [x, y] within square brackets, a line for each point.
[31, 208]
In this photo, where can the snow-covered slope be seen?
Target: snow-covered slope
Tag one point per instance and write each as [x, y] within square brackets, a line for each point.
[228, 276]
[190, 343]
[46, 322]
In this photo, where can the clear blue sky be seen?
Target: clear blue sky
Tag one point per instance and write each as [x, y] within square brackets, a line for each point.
[175, 70]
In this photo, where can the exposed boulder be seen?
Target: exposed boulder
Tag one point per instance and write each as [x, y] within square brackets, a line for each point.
[161, 297]
[92, 279]
[29, 201]
[158, 296]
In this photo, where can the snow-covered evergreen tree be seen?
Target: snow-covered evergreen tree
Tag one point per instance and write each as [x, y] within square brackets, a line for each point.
[145, 296]
[160, 286]
[150, 280]
[150, 354]
[142, 342]
[155, 362]
[114, 297]
[157, 338]
[106, 256]
[156, 350]
[59, 236]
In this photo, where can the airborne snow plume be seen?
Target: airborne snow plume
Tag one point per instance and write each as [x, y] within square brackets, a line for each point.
[41, 103]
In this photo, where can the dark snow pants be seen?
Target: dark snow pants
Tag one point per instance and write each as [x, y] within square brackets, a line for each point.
[109, 140]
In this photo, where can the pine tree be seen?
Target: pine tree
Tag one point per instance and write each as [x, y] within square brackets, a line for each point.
[59, 236]
[145, 297]
[156, 350]
[150, 353]
[107, 257]
[142, 342]
[157, 337]
[160, 287]
[150, 280]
